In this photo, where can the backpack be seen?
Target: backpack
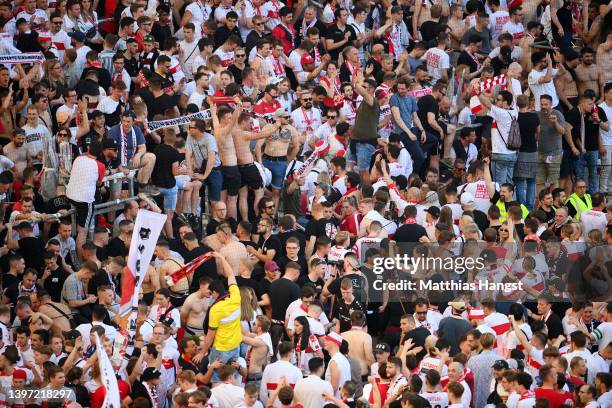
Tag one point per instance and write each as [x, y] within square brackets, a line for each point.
[514, 135]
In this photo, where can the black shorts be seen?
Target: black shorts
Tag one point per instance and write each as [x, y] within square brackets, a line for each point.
[250, 176]
[231, 179]
[84, 213]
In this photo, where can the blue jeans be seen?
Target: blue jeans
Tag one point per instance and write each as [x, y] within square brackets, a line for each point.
[365, 151]
[419, 151]
[502, 167]
[278, 168]
[214, 182]
[588, 159]
[225, 357]
[520, 191]
[170, 197]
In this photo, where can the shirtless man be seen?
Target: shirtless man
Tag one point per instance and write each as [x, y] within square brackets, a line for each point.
[260, 350]
[249, 174]
[280, 148]
[195, 307]
[588, 74]
[58, 312]
[223, 121]
[567, 88]
[604, 60]
[150, 284]
[360, 341]
[168, 266]
[18, 152]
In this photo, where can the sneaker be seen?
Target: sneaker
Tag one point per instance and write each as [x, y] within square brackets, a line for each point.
[149, 190]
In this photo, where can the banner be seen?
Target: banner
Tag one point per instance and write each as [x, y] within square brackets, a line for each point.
[420, 92]
[187, 269]
[181, 120]
[25, 58]
[147, 228]
[501, 80]
[107, 375]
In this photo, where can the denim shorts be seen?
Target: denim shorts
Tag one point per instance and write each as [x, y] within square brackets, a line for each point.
[214, 182]
[182, 180]
[224, 356]
[169, 195]
[365, 151]
[278, 168]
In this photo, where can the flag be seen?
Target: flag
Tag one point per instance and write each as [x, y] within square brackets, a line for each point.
[147, 228]
[501, 80]
[107, 375]
[188, 269]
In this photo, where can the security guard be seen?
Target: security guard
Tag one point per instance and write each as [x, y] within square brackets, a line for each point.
[506, 200]
[579, 201]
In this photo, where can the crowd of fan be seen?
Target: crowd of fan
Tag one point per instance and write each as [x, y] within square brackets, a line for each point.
[440, 130]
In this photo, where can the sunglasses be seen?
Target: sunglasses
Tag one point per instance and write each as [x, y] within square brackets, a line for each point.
[259, 24]
[307, 100]
[57, 22]
[269, 207]
[240, 56]
[331, 116]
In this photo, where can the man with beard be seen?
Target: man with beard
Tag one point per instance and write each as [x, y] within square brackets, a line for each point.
[306, 119]
[588, 75]
[17, 152]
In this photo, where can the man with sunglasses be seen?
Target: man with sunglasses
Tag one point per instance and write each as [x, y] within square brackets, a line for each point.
[307, 119]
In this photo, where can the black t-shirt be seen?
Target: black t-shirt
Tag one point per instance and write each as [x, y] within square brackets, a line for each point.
[208, 268]
[53, 206]
[272, 243]
[499, 66]
[283, 261]
[320, 228]
[190, 365]
[33, 252]
[250, 283]
[55, 282]
[166, 156]
[101, 253]
[99, 279]
[131, 66]
[236, 72]
[465, 59]
[528, 122]
[305, 280]
[223, 33]
[211, 228]
[342, 312]
[428, 104]
[429, 31]
[336, 34]
[591, 129]
[282, 293]
[116, 247]
[418, 336]
[555, 328]
[409, 233]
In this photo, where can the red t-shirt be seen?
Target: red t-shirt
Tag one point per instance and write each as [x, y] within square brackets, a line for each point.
[263, 108]
[555, 398]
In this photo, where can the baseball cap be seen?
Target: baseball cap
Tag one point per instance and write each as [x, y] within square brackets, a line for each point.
[271, 266]
[467, 198]
[306, 59]
[460, 305]
[281, 113]
[319, 261]
[501, 365]
[150, 373]
[434, 211]
[382, 348]
[109, 143]
[77, 35]
[148, 38]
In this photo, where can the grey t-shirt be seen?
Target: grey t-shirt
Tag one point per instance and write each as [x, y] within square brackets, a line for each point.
[485, 35]
[200, 148]
[550, 142]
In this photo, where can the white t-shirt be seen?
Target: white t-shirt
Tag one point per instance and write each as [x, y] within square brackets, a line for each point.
[547, 88]
[34, 137]
[607, 135]
[200, 11]
[591, 220]
[306, 121]
[516, 29]
[482, 201]
[436, 60]
[497, 21]
[503, 119]
[107, 105]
